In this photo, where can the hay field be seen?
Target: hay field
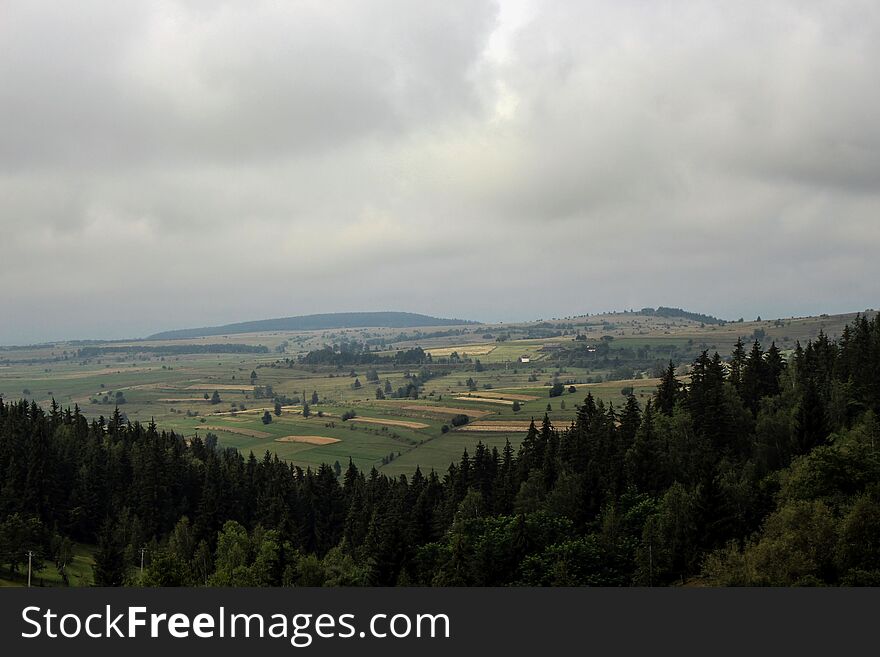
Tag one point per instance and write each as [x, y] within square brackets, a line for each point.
[487, 400]
[309, 440]
[463, 350]
[497, 426]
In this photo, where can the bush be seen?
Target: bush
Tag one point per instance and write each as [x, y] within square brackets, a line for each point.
[459, 420]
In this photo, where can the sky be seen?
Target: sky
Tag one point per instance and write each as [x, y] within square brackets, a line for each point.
[173, 164]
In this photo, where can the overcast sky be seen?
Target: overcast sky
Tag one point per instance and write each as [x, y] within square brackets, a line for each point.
[174, 164]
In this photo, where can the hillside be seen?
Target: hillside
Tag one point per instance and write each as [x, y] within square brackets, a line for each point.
[760, 470]
[314, 323]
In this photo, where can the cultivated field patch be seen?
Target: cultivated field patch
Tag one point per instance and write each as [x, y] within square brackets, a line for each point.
[149, 386]
[508, 395]
[85, 375]
[220, 386]
[446, 410]
[488, 400]
[489, 426]
[310, 440]
[393, 423]
[252, 433]
[465, 350]
[296, 410]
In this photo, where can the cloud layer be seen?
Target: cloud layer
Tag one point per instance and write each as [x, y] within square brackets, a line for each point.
[166, 164]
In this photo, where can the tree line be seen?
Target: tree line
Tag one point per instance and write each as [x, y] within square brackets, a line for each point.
[357, 353]
[759, 469]
[173, 350]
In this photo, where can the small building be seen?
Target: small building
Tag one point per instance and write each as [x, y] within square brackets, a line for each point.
[524, 359]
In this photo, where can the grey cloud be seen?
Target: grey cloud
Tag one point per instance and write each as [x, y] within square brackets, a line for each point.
[219, 161]
[171, 82]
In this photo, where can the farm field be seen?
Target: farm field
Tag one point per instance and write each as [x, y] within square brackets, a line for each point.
[476, 371]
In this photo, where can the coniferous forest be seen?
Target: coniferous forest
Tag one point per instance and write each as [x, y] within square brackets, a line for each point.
[753, 469]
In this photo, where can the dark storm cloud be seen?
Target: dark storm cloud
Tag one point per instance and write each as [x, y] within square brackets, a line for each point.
[217, 161]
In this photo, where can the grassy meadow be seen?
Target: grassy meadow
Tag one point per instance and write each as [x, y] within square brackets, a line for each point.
[393, 435]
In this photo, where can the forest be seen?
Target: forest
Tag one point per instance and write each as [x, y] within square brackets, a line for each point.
[355, 353]
[173, 350]
[762, 468]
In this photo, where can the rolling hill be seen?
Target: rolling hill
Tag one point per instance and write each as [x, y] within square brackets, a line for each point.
[313, 323]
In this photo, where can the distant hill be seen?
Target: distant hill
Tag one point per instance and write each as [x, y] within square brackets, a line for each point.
[663, 311]
[314, 323]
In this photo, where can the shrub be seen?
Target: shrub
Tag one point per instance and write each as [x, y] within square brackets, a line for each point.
[459, 420]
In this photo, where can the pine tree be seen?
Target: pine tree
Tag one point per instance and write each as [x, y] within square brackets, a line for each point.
[630, 420]
[645, 459]
[754, 378]
[775, 366]
[811, 428]
[668, 391]
[109, 568]
[737, 365]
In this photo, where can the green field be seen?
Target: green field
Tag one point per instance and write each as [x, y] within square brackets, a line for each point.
[79, 572]
[395, 435]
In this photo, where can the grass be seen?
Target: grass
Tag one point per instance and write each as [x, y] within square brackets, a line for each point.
[79, 571]
[149, 383]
